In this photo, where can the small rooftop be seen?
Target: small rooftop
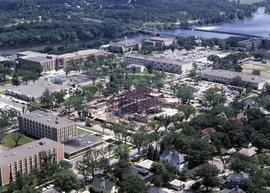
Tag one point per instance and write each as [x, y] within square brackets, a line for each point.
[27, 150]
[81, 142]
[146, 164]
[248, 151]
[176, 183]
[48, 119]
[173, 157]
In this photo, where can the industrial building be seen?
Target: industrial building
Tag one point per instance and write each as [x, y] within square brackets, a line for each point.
[160, 41]
[25, 158]
[228, 77]
[135, 101]
[125, 46]
[42, 124]
[159, 63]
[80, 145]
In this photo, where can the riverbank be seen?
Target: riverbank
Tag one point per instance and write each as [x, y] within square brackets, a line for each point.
[258, 25]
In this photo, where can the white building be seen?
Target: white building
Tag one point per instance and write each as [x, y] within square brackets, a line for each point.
[159, 63]
[160, 41]
[228, 77]
[175, 159]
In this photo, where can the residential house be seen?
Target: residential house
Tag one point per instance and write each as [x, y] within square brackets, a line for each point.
[177, 184]
[248, 151]
[102, 185]
[142, 173]
[177, 160]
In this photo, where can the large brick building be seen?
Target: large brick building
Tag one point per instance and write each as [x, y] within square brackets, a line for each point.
[41, 124]
[25, 158]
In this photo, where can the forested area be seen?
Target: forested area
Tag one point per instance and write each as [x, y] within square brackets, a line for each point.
[52, 21]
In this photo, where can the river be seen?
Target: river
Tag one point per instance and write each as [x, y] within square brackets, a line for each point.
[259, 25]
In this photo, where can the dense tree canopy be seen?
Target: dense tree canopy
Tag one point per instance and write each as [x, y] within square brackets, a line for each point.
[50, 21]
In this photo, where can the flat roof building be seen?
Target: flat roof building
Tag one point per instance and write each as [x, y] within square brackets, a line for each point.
[54, 62]
[159, 63]
[42, 124]
[25, 158]
[34, 90]
[79, 145]
[228, 77]
[48, 62]
[63, 59]
[125, 46]
[160, 41]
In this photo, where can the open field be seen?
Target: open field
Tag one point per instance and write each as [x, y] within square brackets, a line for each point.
[81, 131]
[249, 1]
[9, 140]
[250, 66]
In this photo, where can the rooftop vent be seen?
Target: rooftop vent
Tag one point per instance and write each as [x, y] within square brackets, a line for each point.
[41, 143]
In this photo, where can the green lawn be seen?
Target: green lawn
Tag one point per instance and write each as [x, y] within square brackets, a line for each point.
[10, 142]
[83, 132]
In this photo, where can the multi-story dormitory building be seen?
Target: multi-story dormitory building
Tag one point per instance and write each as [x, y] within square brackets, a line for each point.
[25, 158]
[41, 124]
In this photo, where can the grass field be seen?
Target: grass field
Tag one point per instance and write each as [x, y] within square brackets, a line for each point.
[83, 132]
[249, 1]
[10, 142]
[248, 67]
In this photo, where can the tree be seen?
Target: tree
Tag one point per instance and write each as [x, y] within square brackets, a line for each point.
[121, 167]
[122, 152]
[132, 184]
[120, 131]
[214, 96]
[184, 92]
[198, 151]
[213, 58]
[76, 102]
[59, 97]
[17, 137]
[242, 163]
[65, 165]
[100, 87]
[187, 109]
[256, 72]
[89, 163]
[139, 139]
[158, 80]
[47, 100]
[66, 180]
[33, 106]
[15, 79]
[209, 174]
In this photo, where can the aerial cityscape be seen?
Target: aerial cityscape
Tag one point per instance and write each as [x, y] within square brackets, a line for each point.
[135, 96]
